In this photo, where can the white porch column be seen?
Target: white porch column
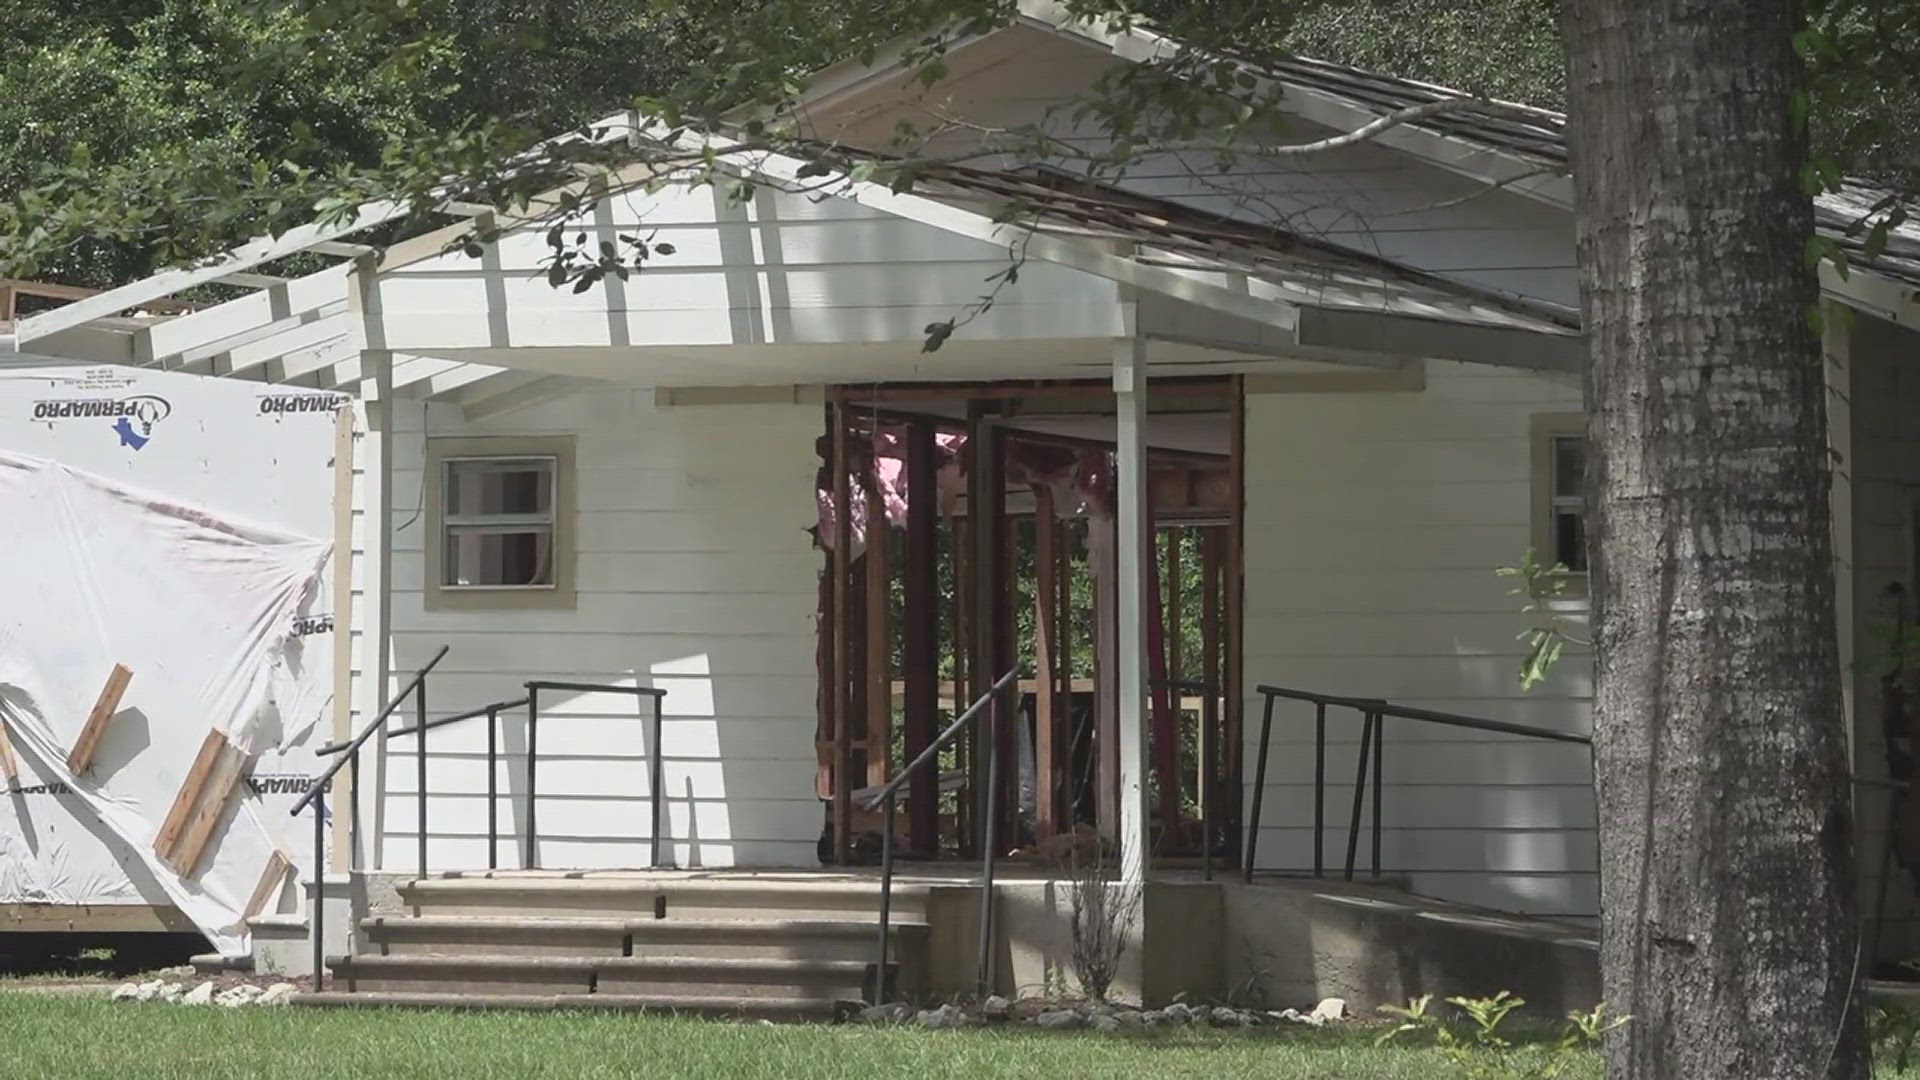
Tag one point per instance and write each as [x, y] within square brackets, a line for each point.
[376, 559]
[1134, 562]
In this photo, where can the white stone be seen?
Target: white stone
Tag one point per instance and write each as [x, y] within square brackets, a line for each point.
[946, 1016]
[127, 991]
[237, 996]
[996, 1007]
[170, 991]
[199, 995]
[1328, 1011]
[277, 994]
[891, 1012]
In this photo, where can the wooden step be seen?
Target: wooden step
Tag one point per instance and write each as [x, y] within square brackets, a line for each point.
[720, 1006]
[545, 935]
[665, 977]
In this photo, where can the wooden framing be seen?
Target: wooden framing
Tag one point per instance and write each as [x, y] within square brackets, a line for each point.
[343, 858]
[842, 640]
[271, 878]
[80, 758]
[1235, 585]
[920, 636]
[878, 632]
[1046, 675]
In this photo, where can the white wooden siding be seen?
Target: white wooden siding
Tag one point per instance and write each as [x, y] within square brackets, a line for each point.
[695, 575]
[1884, 397]
[1374, 524]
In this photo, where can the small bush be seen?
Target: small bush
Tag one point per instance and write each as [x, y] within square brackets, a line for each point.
[1480, 1050]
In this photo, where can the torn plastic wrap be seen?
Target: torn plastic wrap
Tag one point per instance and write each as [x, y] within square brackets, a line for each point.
[203, 611]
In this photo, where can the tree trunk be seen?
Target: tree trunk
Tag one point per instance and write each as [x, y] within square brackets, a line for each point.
[1727, 900]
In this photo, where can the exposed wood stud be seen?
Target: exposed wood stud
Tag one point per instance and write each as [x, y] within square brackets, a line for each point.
[879, 636]
[1207, 767]
[920, 636]
[1103, 545]
[1231, 567]
[80, 758]
[842, 645]
[1046, 720]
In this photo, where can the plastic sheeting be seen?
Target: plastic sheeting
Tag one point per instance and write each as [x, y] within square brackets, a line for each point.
[203, 611]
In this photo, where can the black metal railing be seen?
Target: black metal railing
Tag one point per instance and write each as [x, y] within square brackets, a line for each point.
[1373, 712]
[656, 776]
[349, 757]
[889, 796]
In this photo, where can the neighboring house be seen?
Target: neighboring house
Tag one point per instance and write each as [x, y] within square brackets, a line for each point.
[1373, 350]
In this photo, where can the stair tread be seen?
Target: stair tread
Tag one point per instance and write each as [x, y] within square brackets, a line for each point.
[368, 963]
[717, 887]
[667, 927]
[713, 1004]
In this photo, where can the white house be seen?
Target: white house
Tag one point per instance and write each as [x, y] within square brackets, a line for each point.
[1374, 350]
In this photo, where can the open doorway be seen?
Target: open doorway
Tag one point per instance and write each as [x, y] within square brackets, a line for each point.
[969, 531]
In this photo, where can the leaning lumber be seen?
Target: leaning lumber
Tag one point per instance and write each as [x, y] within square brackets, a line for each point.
[80, 758]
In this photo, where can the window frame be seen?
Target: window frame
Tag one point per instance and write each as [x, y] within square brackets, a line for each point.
[443, 452]
[1546, 428]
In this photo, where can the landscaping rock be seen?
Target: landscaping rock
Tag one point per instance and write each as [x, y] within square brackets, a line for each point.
[199, 995]
[1289, 1016]
[1328, 1011]
[946, 1016]
[126, 991]
[1105, 1022]
[277, 994]
[1130, 1018]
[890, 1012]
[1181, 1013]
[1221, 1016]
[170, 991]
[1060, 1020]
[996, 1007]
[234, 997]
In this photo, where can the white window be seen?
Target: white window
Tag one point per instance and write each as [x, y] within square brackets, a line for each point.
[500, 523]
[1559, 499]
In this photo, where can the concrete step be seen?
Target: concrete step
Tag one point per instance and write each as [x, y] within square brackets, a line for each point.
[546, 935]
[665, 977]
[765, 1008]
[742, 898]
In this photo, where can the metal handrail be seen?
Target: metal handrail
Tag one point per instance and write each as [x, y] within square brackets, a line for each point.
[350, 757]
[1373, 712]
[656, 771]
[889, 795]
[320, 783]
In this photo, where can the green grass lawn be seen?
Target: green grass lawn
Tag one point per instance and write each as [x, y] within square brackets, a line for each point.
[56, 1036]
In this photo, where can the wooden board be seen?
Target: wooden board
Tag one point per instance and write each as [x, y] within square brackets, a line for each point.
[222, 783]
[183, 803]
[80, 758]
[8, 766]
[271, 877]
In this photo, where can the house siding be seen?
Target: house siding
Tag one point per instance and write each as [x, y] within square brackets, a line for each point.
[1374, 522]
[695, 575]
[1883, 396]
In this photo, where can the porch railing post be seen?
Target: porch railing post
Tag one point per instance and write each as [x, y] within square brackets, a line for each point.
[1379, 755]
[991, 848]
[657, 780]
[420, 771]
[316, 905]
[493, 788]
[1319, 782]
[1359, 791]
[530, 857]
[879, 987]
[1259, 785]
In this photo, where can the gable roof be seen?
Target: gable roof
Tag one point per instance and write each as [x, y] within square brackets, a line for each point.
[1524, 148]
